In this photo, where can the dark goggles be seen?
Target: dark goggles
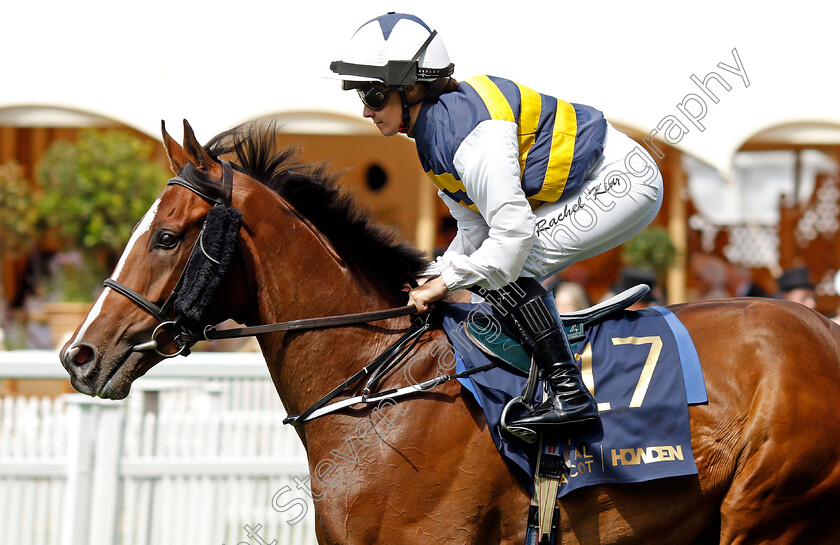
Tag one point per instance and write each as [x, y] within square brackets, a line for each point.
[375, 97]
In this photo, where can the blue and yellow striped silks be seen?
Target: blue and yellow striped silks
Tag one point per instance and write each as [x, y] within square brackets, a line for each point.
[558, 141]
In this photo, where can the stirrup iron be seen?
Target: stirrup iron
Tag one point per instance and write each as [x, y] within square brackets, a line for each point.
[525, 434]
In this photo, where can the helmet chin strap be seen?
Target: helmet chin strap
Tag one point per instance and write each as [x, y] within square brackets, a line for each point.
[405, 122]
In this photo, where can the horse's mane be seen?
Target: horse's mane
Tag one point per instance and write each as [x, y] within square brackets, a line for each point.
[315, 194]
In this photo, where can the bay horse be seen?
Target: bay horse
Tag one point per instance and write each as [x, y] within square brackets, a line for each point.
[425, 470]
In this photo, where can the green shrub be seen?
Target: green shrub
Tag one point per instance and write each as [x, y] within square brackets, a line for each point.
[651, 250]
[96, 189]
[94, 192]
[18, 211]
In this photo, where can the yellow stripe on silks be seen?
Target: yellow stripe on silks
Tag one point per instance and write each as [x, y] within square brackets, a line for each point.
[499, 108]
[496, 103]
[448, 183]
[562, 151]
[529, 120]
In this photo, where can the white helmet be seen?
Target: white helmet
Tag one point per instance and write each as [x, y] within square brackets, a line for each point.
[395, 49]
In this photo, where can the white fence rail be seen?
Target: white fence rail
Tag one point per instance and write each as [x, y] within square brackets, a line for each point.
[197, 453]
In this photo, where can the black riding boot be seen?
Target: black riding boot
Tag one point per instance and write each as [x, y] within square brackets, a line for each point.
[569, 400]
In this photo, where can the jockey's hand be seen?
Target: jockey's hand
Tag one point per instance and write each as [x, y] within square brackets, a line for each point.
[429, 292]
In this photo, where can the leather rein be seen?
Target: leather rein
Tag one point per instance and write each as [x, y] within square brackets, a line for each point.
[185, 338]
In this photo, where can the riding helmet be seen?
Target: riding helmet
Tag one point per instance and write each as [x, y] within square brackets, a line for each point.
[396, 49]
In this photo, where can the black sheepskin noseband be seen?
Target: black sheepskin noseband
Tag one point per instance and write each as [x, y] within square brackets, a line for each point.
[209, 261]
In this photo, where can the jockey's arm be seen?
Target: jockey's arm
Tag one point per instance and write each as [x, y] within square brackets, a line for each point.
[488, 164]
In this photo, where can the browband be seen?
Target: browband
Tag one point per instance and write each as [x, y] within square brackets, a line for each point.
[189, 172]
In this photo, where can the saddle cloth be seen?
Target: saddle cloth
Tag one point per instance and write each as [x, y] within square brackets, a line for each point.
[644, 371]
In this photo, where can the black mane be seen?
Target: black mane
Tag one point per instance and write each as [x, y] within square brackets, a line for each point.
[315, 194]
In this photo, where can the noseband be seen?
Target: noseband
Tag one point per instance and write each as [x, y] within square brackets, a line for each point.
[184, 338]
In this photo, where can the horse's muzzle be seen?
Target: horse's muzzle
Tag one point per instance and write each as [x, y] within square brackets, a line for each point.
[82, 363]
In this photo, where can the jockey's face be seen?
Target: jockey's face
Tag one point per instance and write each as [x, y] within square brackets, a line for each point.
[387, 119]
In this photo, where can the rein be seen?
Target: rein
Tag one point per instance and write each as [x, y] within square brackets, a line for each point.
[385, 361]
[376, 370]
[185, 338]
[211, 333]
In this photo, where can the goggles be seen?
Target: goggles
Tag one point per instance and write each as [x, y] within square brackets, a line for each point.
[375, 97]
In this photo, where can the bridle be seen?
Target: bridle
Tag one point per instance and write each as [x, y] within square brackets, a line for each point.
[183, 336]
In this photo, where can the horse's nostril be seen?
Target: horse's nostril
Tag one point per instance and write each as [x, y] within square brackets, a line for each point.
[80, 362]
[82, 354]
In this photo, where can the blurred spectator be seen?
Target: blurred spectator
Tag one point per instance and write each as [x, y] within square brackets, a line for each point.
[570, 296]
[795, 285]
[710, 276]
[632, 277]
[740, 283]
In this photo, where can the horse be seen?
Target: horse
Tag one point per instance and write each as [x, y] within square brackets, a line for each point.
[424, 469]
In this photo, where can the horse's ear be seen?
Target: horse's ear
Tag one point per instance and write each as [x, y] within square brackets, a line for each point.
[195, 151]
[177, 156]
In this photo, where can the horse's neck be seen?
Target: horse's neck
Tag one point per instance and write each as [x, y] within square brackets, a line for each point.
[308, 279]
[301, 276]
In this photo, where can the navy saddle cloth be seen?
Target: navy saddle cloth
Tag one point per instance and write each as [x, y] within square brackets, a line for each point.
[644, 371]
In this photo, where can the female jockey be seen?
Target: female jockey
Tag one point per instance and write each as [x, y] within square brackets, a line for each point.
[535, 185]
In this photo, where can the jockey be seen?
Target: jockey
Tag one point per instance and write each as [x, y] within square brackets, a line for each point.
[535, 184]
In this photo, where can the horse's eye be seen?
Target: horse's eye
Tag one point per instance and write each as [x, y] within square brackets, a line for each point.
[166, 240]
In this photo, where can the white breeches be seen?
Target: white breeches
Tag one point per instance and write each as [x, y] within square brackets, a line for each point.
[621, 197]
